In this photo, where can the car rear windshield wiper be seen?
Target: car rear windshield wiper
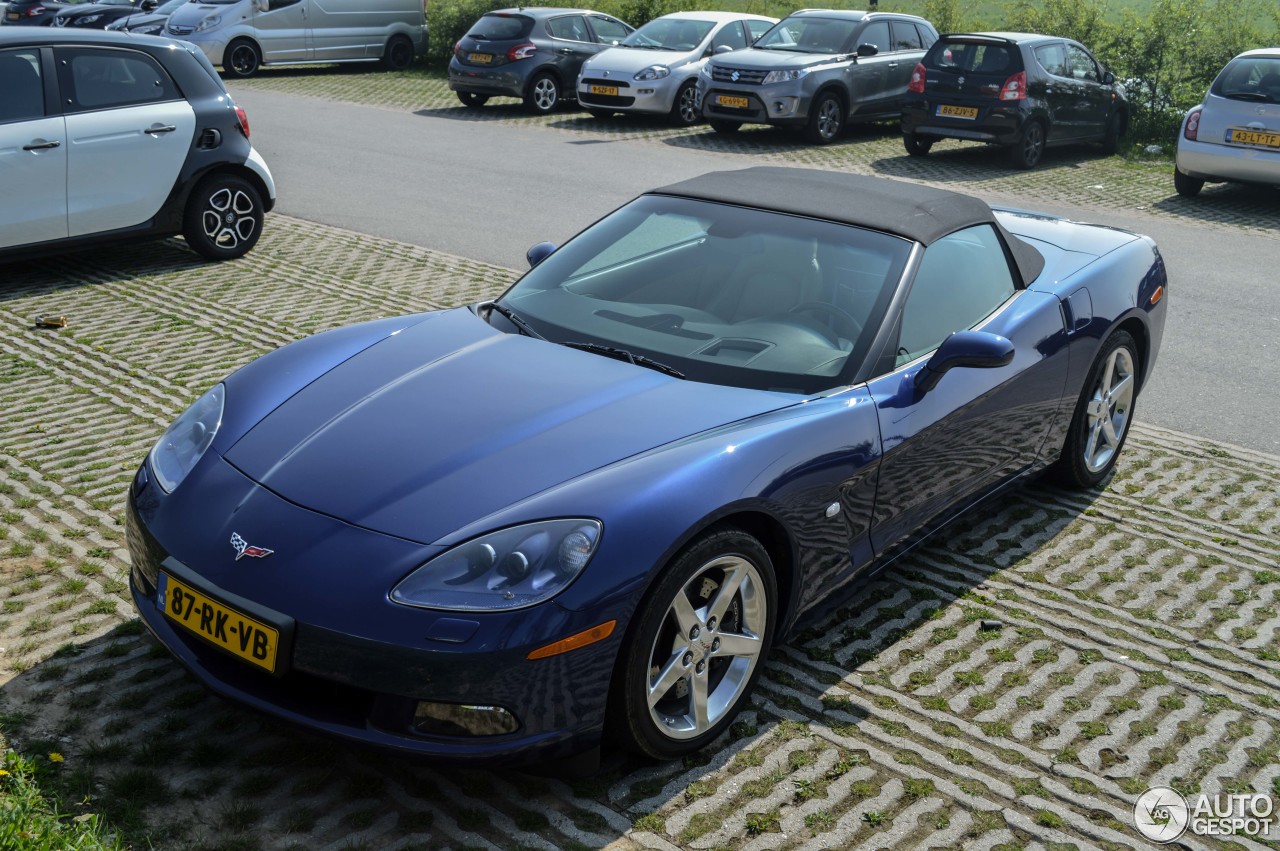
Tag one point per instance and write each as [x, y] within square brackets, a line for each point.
[629, 357]
[1262, 96]
[515, 319]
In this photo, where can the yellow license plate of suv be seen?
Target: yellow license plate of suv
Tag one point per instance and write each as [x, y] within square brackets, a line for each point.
[1253, 137]
[732, 102]
[480, 58]
[611, 91]
[957, 111]
[252, 640]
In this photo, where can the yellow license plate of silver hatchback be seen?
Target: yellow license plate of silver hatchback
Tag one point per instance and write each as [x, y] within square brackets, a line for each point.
[732, 102]
[1253, 137]
[610, 91]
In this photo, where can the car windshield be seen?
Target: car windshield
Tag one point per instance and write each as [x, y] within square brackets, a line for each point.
[501, 27]
[808, 35]
[669, 34]
[1251, 78]
[723, 294]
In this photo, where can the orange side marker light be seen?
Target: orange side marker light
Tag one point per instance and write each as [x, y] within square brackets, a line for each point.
[1158, 294]
[573, 642]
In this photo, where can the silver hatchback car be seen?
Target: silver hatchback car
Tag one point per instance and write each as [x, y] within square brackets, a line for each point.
[1234, 135]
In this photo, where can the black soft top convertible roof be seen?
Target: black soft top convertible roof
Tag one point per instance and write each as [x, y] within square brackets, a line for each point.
[919, 213]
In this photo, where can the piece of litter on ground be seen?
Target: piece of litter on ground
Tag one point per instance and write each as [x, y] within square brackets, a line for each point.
[43, 321]
[989, 626]
[1154, 149]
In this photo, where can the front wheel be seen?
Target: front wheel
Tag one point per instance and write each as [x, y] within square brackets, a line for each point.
[700, 640]
[1188, 187]
[543, 95]
[1102, 416]
[826, 120]
[685, 112]
[223, 219]
[1026, 152]
[242, 58]
[917, 146]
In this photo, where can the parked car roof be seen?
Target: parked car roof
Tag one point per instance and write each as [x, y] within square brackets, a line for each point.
[60, 35]
[715, 16]
[1005, 36]
[544, 11]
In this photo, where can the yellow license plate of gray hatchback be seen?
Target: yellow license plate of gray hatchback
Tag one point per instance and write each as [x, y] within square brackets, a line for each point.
[1253, 137]
[480, 58]
[732, 102]
[957, 111]
[611, 91]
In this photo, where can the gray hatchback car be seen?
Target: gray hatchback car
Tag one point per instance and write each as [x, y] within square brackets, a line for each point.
[817, 69]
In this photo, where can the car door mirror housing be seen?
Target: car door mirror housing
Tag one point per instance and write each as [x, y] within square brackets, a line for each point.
[724, 48]
[868, 50]
[149, 5]
[539, 252]
[262, 5]
[1108, 78]
[975, 349]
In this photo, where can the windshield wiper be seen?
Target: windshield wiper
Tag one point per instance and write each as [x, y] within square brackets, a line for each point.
[1249, 96]
[514, 318]
[629, 357]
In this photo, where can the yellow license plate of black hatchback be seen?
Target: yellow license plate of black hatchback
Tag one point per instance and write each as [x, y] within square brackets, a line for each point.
[1253, 137]
[957, 111]
[219, 624]
[480, 58]
[611, 91]
[733, 102]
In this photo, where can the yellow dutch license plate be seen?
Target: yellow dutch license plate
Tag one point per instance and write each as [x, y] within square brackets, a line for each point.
[732, 102]
[252, 640]
[480, 58]
[1253, 137]
[611, 91]
[958, 111]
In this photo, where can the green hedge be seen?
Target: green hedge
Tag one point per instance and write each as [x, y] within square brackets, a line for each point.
[1166, 55]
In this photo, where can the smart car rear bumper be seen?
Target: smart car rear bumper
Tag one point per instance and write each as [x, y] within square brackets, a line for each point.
[996, 126]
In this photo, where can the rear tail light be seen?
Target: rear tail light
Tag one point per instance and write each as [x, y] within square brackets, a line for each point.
[35, 10]
[1192, 128]
[917, 79]
[521, 51]
[1014, 88]
[244, 121]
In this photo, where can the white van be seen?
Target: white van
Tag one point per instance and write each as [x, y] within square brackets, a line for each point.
[241, 35]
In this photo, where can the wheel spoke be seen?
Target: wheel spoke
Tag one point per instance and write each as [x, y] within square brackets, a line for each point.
[733, 644]
[1091, 448]
[1109, 432]
[671, 674]
[686, 617]
[698, 691]
[1122, 390]
[733, 579]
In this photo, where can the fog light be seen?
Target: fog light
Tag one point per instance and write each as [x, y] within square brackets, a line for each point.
[646, 91]
[452, 719]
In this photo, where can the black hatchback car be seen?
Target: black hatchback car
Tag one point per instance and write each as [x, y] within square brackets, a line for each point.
[34, 13]
[530, 53]
[1018, 90]
[98, 14]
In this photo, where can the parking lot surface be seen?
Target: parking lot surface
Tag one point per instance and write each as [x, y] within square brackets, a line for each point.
[1135, 645]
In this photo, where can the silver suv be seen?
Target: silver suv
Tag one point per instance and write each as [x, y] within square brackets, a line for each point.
[817, 69]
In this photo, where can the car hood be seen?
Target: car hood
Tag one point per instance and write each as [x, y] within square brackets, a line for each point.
[191, 14]
[451, 420]
[629, 60]
[756, 57]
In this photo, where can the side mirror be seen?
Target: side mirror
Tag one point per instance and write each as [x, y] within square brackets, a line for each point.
[149, 5]
[1108, 78]
[262, 5]
[867, 50]
[539, 252]
[976, 349]
[724, 48]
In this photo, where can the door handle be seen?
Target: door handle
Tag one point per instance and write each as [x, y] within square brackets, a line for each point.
[42, 145]
[566, 50]
[157, 129]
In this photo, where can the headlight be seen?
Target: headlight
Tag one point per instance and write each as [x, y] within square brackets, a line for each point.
[179, 448]
[653, 72]
[85, 20]
[147, 29]
[209, 23]
[504, 570]
[784, 76]
[705, 70]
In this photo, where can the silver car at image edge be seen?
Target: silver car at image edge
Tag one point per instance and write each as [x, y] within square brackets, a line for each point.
[1234, 134]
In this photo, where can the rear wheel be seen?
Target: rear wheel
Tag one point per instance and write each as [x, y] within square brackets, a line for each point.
[399, 53]
[543, 95]
[1188, 187]
[721, 126]
[826, 120]
[1026, 152]
[1102, 416]
[685, 112]
[242, 58]
[472, 99]
[223, 219]
[917, 146]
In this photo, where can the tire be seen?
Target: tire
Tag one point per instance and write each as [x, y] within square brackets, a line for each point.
[684, 111]
[398, 55]
[1102, 415]
[721, 126]
[223, 218]
[1026, 152]
[473, 100]
[599, 114]
[826, 120]
[917, 146]
[675, 650]
[1188, 187]
[242, 58]
[1115, 129]
[544, 94]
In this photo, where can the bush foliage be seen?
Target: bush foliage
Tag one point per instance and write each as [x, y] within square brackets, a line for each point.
[1166, 55]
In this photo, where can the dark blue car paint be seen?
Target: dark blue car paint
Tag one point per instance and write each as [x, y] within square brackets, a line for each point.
[770, 462]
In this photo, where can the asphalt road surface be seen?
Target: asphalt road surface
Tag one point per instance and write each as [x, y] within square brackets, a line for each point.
[487, 191]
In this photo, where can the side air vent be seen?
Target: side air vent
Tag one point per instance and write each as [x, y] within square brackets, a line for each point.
[209, 139]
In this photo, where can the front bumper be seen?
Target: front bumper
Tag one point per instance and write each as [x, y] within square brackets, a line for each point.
[365, 685]
[1216, 163]
[647, 96]
[213, 44]
[782, 104]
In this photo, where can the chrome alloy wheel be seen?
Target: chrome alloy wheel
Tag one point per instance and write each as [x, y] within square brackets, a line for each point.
[688, 105]
[229, 218]
[546, 94]
[1107, 412]
[709, 644]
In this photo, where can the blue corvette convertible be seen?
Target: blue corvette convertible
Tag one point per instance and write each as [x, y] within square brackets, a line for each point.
[507, 531]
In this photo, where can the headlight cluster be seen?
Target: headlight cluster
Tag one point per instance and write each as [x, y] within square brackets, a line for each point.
[182, 445]
[785, 76]
[653, 72]
[147, 29]
[705, 70]
[209, 23]
[505, 570]
[85, 20]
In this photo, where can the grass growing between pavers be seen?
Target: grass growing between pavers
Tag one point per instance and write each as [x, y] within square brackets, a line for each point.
[1137, 641]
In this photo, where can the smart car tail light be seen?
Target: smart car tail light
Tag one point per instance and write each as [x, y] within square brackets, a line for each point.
[1191, 130]
[917, 79]
[521, 51]
[1014, 88]
[244, 121]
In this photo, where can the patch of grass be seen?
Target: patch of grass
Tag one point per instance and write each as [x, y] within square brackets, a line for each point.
[32, 820]
[769, 822]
